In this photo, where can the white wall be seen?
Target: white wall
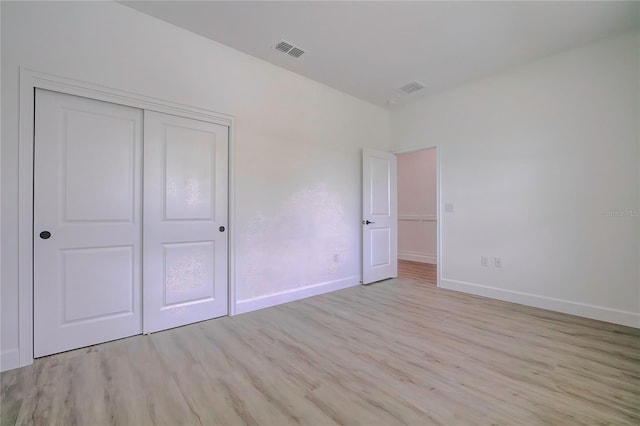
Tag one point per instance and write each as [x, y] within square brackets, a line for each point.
[297, 142]
[417, 204]
[533, 159]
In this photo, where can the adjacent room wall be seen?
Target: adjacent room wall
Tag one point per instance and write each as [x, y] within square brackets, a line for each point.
[297, 142]
[541, 164]
[417, 214]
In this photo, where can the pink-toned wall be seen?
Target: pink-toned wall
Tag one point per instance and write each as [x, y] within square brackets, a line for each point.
[417, 213]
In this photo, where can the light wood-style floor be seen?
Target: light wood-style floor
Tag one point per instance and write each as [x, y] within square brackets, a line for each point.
[423, 272]
[395, 352]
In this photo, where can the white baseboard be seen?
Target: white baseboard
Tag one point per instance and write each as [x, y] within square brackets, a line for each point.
[248, 305]
[418, 257]
[631, 319]
[9, 359]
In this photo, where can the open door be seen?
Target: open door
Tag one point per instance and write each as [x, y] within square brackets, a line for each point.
[379, 216]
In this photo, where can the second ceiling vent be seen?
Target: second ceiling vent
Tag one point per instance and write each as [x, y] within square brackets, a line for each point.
[289, 48]
[414, 86]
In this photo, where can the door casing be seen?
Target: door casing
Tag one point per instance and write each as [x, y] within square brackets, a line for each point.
[29, 81]
[439, 213]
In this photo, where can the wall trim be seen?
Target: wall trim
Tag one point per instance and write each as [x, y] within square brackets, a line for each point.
[9, 359]
[418, 257]
[616, 316]
[253, 304]
[418, 217]
[29, 81]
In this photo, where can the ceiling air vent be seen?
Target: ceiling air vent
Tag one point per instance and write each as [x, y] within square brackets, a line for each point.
[283, 46]
[289, 49]
[412, 87]
[296, 52]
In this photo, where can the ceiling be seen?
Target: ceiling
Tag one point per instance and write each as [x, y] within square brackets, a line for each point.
[370, 49]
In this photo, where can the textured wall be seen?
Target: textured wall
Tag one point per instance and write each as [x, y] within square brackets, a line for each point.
[297, 141]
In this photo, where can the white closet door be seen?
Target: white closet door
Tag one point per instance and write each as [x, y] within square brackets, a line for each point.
[87, 222]
[185, 215]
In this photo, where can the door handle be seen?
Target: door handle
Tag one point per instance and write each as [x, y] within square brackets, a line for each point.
[45, 235]
[367, 222]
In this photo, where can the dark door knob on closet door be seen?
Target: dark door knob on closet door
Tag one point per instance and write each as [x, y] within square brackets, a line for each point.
[45, 235]
[221, 229]
[367, 222]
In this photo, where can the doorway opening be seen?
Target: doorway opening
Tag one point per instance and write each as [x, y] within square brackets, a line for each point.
[418, 216]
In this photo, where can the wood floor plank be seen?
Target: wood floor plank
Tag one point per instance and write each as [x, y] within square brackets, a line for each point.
[422, 272]
[400, 351]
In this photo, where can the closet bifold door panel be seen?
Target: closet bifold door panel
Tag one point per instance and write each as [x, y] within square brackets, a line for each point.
[185, 219]
[87, 222]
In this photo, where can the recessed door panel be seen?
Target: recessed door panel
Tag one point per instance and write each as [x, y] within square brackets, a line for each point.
[380, 169]
[189, 273]
[185, 220]
[98, 283]
[99, 157]
[87, 222]
[190, 165]
[380, 247]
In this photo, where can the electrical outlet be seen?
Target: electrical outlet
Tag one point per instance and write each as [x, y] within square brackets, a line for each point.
[498, 262]
[484, 261]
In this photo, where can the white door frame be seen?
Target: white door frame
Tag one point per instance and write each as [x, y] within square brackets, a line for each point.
[29, 81]
[438, 207]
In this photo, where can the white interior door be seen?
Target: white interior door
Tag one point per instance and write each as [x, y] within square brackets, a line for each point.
[87, 222]
[185, 215]
[379, 216]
